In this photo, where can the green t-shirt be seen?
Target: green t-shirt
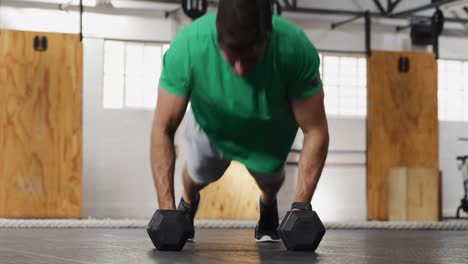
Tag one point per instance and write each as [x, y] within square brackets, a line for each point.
[248, 118]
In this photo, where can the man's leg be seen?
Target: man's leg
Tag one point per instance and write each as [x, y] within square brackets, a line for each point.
[270, 190]
[269, 184]
[191, 188]
[193, 184]
[205, 164]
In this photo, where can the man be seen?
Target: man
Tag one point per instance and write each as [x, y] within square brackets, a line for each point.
[252, 79]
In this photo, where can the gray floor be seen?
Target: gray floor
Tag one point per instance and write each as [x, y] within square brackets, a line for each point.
[229, 246]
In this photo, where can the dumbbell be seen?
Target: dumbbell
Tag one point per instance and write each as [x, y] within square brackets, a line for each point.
[301, 230]
[169, 230]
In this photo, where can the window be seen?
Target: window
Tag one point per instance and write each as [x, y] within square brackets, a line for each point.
[131, 74]
[345, 83]
[453, 90]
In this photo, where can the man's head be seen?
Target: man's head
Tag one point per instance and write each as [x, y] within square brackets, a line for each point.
[244, 28]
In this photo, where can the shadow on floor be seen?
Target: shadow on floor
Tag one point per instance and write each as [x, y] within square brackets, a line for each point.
[242, 253]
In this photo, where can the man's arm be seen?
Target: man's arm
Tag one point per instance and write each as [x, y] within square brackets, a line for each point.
[311, 117]
[169, 113]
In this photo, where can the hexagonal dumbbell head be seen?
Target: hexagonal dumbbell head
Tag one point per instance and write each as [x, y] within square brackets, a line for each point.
[169, 230]
[301, 230]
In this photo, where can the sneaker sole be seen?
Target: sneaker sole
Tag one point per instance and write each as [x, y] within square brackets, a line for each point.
[267, 239]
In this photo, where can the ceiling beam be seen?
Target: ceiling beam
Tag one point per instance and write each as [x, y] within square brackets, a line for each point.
[323, 11]
[294, 4]
[411, 11]
[287, 4]
[320, 11]
[380, 7]
[393, 5]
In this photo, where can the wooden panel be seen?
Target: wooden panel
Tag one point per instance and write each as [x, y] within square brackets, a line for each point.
[234, 196]
[397, 195]
[40, 126]
[414, 194]
[424, 187]
[402, 129]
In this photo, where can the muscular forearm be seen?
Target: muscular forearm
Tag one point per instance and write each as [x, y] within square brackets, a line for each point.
[163, 163]
[312, 160]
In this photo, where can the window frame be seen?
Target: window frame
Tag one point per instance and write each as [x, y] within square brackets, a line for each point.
[339, 114]
[164, 45]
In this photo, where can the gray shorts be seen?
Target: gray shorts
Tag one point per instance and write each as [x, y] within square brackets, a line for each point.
[206, 164]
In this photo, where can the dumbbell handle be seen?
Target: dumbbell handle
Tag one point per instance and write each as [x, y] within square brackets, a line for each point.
[301, 206]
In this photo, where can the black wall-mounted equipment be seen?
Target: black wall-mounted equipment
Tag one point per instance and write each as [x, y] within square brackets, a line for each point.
[421, 31]
[195, 8]
[425, 30]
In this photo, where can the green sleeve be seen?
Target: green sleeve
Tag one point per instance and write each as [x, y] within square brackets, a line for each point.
[304, 71]
[175, 76]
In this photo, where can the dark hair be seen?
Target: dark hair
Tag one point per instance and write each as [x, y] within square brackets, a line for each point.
[243, 23]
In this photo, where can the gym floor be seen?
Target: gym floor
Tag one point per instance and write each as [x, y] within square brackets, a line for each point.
[229, 246]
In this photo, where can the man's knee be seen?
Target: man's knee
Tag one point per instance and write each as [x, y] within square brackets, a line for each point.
[269, 182]
[204, 174]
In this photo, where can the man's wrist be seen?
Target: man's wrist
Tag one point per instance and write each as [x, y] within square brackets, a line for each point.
[169, 205]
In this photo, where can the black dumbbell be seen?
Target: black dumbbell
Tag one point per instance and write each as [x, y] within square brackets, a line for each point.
[301, 230]
[169, 230]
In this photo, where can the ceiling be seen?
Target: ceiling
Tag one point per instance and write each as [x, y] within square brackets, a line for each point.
[452, 9]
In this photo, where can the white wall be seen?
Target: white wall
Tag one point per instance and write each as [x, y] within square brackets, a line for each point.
[117, 177]
[449, 148]
[342, 191]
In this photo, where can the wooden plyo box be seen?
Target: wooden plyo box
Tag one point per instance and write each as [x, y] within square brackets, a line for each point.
[414, 194]
[402, 121]
[41, 125]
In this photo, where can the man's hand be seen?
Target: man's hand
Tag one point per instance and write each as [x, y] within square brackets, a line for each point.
[168, 115]
[311, 117]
